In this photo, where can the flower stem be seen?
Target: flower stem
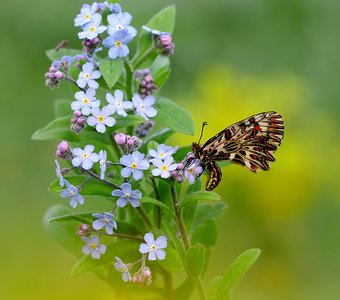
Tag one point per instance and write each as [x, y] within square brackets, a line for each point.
[145, 217]
[180, 221]
[128, 82]
[68, 78]
[94, 175]
[158, 209]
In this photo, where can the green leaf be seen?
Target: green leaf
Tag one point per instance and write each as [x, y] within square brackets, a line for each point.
[172, 233]
[84, 217]
[208, 211]
[199, 196]
[111, 70]
[160, 70]
[163, 21]
[130, 120]
[206, 234]
[94, 187]
[182, 152]
[152, 145]
[235, 272]
[87, 263]
[172, 262]
[158, 203]
[195, 259]
[172, 116]
[62, 108]
[53, 55]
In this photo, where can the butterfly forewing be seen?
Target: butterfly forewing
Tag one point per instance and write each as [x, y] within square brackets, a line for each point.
[250, 142]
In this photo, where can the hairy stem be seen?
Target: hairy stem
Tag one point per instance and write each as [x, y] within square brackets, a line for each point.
[180, 221]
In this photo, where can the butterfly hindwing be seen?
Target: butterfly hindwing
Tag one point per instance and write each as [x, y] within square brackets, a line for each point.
[215, 176]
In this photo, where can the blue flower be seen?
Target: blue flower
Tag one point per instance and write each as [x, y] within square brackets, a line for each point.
[134, 163]
[101, 118]
[114, 7]
[59, 174]
[106, 220]
[85, 101]
[117, 43]
[85, 157]
[144, 106]
[126, 195]
[102, 163]
[163, 168]
[121, 267]
[154, 31]
[154, 247]
[86, 13]
[88, 76]
[119, 22]
[117, 104]
[92, 246]
[163, 151]
[72, 192]
[93, 28]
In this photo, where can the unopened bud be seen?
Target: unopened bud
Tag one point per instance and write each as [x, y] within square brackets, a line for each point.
[83, 230]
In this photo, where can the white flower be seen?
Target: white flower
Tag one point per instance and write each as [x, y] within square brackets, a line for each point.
[154, 247]
[85, 157]
[85, 101]
[144, 106]
[117, 104]
[92, 246]
[101, 118]
[163, 168]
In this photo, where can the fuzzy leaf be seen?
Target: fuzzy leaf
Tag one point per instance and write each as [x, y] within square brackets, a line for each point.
[160, 70]
[195, 260]
[234, 274]
[172, 116]
[62, 108]
[205, 234]
[200, 196]
[53, 55]
[111, 70]
[172, 262]
[208, 211]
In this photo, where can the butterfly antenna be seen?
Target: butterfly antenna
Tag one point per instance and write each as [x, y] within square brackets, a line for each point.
[203, 124]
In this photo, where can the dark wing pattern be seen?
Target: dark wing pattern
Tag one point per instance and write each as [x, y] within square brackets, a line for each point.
[250, 142]
[215, 176]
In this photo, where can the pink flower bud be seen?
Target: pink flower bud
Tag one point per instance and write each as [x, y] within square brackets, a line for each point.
[165, 39]
[77, 113]
[81, 121]
[120, 138]
[147, 273]
[53, 69]
[59, 75]
[180, 166]
[95, 40]
[63, 147]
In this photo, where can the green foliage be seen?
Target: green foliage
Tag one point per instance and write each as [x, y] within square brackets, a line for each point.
[174, 117]
[172, 261]
[195, 259]
[53, 55]
[222, 285]
[111, 70]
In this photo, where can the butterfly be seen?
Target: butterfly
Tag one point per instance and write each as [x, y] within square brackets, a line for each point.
[250, 143]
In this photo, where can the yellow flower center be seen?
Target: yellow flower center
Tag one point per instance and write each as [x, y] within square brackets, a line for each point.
[128, 196]
[84, 155]
[92, 29]
[133, 165]
[107, 221]
[87, 75]
[87, 16]
[86, 101]
[124, 270]
[153, 247]
[118, 43]
[93, 246]
[162, 155]
[101, 118]
[191, 170]
[164, 168]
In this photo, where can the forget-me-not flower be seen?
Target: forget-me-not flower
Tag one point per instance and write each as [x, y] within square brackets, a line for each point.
[93, 247]
[144, 106]
[106, 220]
[117, 43]
[193, 170]
[154, 247]
[102, 163]
[119, 22]
[84, 157]
[59, 174]
[88, 76]
[163, 168]
[85, 101]
[126, 195]
[121, 267]
[101, 118]
[72, 193]
[86, 13]
[163, 151]
[93, 28]
[117, 104]
[134, 163]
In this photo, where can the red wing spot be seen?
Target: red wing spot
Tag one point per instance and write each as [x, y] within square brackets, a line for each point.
[257, 148]
[252, 120]
[257, 127]
[253, 156]
[247, 137]
[227, 155]
[252, 166]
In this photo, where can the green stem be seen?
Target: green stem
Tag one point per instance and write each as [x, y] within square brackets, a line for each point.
[128, 82]
[145, 217]
[180, 221]
[94, 175]
[168, 283]
[143, 57]
[158, 197]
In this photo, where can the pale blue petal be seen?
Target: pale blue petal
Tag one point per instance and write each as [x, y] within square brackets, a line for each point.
[87, 164]
[118, 193]
[152, 256]
[76, 162]
[98, 224]
[121, 202]
[101, 127]
[93, 84]
[126, 188]
[149, 238]
[161, 242]
[126, 172]
[113, 53]
[137, 174]
[144, 248]
[134, 202]
[160, 254]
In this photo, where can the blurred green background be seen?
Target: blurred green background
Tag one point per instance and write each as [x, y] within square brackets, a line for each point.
[233, 58]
